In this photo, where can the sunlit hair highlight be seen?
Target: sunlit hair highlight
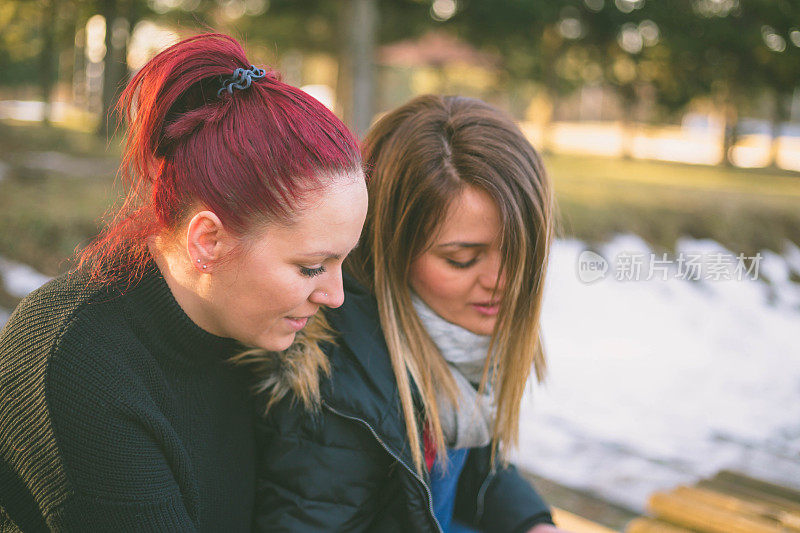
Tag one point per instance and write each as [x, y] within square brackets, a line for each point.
[249, 156]
[420, 157]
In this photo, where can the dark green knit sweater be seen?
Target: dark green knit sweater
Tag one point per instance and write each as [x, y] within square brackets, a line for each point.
[118, 413]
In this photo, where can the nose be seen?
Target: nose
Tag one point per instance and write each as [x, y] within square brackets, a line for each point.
[330, 291]
[490, 277]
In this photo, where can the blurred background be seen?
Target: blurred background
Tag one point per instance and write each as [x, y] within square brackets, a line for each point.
[671, 130]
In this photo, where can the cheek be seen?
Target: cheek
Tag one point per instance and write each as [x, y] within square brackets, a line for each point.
[433, 280]
[281, 293]
[266, 290]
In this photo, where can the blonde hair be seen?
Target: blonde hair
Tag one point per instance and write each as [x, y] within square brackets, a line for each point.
[419, 157]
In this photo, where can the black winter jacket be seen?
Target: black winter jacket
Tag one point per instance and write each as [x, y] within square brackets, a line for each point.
[349, 467]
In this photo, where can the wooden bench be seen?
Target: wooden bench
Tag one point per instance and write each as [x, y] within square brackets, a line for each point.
[727, 503]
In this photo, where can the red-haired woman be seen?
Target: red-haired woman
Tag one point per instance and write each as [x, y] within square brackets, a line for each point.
[119, 408]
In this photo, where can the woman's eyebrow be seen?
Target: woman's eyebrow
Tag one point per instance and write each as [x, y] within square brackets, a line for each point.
[462, 244]
[325, 253]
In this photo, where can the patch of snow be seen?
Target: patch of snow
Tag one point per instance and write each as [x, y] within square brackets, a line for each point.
[70, 165]
[775, 267]
[33, 111]
[792, 254]
[19, 279]
[655, 383]
[21, 110]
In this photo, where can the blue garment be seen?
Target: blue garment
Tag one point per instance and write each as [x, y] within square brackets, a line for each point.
[443, 490]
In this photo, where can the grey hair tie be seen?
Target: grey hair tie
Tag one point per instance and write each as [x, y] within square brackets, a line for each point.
[241, 79]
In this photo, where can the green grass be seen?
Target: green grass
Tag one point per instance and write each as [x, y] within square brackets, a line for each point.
[744, 210]
[43, 220]
[44, 215]
[20, 137]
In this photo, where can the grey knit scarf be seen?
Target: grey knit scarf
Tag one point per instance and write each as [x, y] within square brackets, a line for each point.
[469, 425]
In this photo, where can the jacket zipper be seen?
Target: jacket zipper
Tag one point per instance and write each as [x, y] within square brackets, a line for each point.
[396, 458]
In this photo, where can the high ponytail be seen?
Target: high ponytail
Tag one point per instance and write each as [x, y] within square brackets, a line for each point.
[247, 155]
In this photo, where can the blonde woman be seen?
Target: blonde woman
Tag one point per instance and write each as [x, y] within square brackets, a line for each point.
[419, 400]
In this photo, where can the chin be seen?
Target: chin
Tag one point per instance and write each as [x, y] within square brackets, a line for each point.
[482, 327]
[482, 330]
[276, 343]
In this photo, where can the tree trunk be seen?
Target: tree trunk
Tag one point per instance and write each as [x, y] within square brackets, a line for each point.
[730, 133]
[551, 50]
[626, 124]
[779, 115]
[551, 91]
[629, 93]
[344, 83]
[79, 95]
[48, 59]
[362, 37]
[108, 122]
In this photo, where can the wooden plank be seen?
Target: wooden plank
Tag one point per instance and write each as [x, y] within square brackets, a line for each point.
[738, 506]
[759, 485]
[577, 524]
[749, 493]
[651, 525]
[689, 513]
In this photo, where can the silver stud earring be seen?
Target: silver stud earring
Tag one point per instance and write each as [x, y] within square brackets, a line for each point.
[205, 266]
[198, 260]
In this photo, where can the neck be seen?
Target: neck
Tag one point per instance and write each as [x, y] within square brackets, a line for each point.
[188, 287]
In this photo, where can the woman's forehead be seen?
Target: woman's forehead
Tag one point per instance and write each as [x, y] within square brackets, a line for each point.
[471, 218]
[329, 226]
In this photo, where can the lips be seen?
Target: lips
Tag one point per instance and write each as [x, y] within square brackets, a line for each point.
[297, 322]
[487, 308]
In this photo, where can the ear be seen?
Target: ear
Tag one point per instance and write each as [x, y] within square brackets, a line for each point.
[206, 241]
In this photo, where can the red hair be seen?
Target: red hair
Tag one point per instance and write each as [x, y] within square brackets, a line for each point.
[247, 156]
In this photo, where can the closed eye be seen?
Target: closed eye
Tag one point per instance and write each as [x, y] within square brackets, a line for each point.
[458, 264]
[312, 272]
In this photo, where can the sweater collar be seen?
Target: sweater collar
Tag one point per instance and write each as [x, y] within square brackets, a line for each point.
[152, 300]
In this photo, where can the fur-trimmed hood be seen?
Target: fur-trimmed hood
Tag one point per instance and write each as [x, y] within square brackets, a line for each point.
[296, 371]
